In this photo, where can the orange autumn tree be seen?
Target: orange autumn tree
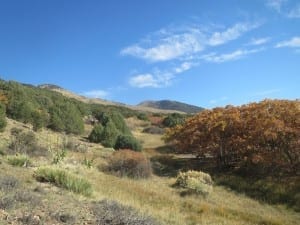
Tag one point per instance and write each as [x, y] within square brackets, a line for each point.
[266, 132]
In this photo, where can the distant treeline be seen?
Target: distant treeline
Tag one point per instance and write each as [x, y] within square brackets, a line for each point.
[45, 108]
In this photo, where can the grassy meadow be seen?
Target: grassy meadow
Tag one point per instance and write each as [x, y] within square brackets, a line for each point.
[49, 201]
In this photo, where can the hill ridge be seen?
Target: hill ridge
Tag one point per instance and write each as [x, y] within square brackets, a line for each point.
[171, 105]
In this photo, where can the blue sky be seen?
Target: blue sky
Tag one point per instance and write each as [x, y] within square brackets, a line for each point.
[207, 53]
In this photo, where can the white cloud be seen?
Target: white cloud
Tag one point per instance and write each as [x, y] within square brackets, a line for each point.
[167, 48]
[171, 44]
[96, 94]
[259, 41]
[143, 80]
[213, 57]
[183, 67]
[292, 43]
[295, 12]
[276, 4]
[182, 47]
[159, 78]
[230, 34]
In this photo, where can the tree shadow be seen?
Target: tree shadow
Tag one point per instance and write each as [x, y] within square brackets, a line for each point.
[168, 165]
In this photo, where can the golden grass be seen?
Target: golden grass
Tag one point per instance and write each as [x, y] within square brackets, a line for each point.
[149, 141]
[155, 196]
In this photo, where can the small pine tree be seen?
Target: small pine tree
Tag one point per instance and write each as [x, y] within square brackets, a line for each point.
[127, 142]
[96, 134]
[109, 134]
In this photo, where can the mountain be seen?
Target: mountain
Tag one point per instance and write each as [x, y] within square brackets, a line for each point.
[139, 107]
[171, 105]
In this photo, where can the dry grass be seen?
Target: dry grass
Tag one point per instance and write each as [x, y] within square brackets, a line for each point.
[149, 141]
[154, 197]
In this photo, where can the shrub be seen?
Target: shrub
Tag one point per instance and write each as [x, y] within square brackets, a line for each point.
[74, 146]
[173, 120]
[96, 134]
[195, 182]
[7, 202]
[25, 143]
[27, 196]
[19, 160]
[59, 156]
[127, 142]
[109, 212]
[109, 135]
[129, 163]
[8, 183]
[142, 116]
[88, 162]
[65, 180]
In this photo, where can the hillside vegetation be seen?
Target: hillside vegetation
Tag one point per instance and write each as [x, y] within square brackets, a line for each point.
[112, 167]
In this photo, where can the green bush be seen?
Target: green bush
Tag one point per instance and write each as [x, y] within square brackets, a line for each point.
[127, 142]
[96, 134]
[195, 182]
[19, 160]
[2, 117]
[109, 135]
[129, 163]
[173, 120]
[111, 125]
[142, 116]
[64, 179]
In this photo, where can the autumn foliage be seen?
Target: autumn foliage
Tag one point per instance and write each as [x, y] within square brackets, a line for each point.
[265, 133]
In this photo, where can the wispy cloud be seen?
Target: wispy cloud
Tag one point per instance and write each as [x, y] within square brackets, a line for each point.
[285, 8]
[295, 12]
[275, 4]
[259, 41]
[182, 43]
[215, 58]
[181, 49]
[96, 94]
[292, 43]
[168, 47]
[231, 33]
[183, 67]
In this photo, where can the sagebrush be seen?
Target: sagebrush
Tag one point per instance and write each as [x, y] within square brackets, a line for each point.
[195, 181]
[129, 163]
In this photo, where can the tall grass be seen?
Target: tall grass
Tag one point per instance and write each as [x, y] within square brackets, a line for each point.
[18, 160]
[64, 179]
